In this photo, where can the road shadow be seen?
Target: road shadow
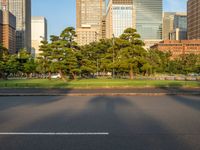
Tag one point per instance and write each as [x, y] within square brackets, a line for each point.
[10, 102]
[178, 94]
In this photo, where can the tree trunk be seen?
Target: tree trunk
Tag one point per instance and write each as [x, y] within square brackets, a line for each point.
[74, 76]
[62, 76]
[30, 75]
[4, 77]
[49, 75]
[131, 72]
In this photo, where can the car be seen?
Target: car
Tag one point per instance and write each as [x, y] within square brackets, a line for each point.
[191, 78]
[55, 76]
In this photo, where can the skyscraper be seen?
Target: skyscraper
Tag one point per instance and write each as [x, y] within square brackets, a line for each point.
[175, 25]
[120, 15]
[7, 28]
[21, 9]
[38, 33]
[193, 19]
[90, 20]
[149, 18]
[168, 24]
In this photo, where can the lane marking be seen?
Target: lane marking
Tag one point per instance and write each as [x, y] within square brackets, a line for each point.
[55, 133]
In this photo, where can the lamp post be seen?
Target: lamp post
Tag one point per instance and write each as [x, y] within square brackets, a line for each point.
[97, 67]
[113, 44]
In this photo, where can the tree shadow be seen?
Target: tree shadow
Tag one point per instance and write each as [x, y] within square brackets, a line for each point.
[9, 102]
[190, 101]
[187, 96]
[48, 95]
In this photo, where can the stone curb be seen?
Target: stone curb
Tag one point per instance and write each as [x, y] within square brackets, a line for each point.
[99, 94]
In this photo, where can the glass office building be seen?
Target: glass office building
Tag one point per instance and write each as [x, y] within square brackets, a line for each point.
[180, 21]
[21, 9]
[122, 18]
[179, 31]
[149, 18]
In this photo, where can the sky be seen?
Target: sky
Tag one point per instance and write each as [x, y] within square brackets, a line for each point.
[62, 13]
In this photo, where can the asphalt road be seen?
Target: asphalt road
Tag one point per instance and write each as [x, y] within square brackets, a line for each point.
[133, 123]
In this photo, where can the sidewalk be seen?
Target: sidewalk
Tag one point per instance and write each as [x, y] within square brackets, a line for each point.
[100, 92]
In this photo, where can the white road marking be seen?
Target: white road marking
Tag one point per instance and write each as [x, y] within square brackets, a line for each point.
[54, 133]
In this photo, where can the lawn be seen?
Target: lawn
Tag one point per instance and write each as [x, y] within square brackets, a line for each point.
[94, 83]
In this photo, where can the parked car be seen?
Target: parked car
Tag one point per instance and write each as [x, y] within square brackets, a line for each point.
[180, 78]
[55, 76]
[191, 78]
[170, 78]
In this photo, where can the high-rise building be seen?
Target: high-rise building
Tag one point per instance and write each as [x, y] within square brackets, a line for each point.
[180, 21]
[21, 9]
[7, 29]
[90, 20]
[143, 15]
[193, 19]
[149, 15]
[175, 26]
[38, 33]
[179, 31]
[168, 24]
[120, 15]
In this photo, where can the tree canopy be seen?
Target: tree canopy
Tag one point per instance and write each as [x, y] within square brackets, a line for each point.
[117, 57]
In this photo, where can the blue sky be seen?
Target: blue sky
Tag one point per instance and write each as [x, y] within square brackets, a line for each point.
[62, 13]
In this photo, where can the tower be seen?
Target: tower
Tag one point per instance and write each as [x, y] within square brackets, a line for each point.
[8, 28]
[90, 20]
[21, 9]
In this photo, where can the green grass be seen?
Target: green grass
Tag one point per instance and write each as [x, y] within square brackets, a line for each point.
[94, 83]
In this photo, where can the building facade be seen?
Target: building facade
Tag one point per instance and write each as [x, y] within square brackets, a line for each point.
[149, 14]
[168, 24]
[175, 26]
[180, 21]
[180, 27]
[38, 33]
[90, 20]
[179, 47]
[7, 29]
[120, 16]
[193, 8]
[178, 34]
[21, 9]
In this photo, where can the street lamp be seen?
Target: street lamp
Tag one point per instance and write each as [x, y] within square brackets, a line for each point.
[113, 44]
[97, 67]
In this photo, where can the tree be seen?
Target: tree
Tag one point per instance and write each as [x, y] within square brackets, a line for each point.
[30, 67]
[45, 59]
[160, 61]
[3, 58]
[131, 52]
[131, 35]
[96, 57]
[8, 63]
[68, 36]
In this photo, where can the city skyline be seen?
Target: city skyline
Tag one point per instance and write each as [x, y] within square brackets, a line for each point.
[66, 14]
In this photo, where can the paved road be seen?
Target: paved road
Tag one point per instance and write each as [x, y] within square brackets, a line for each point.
[133, 123]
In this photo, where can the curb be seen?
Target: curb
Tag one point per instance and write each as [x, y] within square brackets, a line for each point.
[101, 94]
